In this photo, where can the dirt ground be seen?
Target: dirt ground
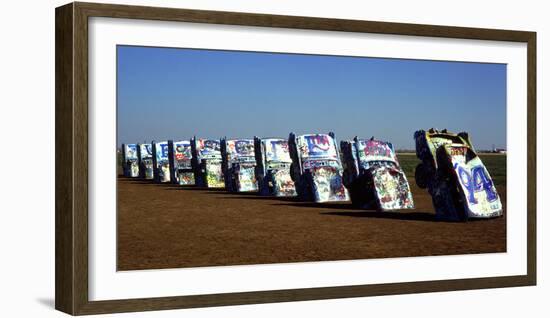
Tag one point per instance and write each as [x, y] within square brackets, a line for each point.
[169, 226]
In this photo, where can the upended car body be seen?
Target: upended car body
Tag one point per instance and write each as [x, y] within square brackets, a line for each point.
[273, 167]
[207, 162]
[455, 176]
[161, 162]
[316, 168]
[239, 165]
[181, 166]
[373, 176]
[130, 167]
[145, 157]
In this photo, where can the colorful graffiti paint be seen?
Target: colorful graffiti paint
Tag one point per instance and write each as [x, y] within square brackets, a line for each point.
[239, 148]
[273, 167]
[208, 148]
[369, 151]
[162, 151]
[146, 151]
[185, 178]
[181, 164]
[130, 164]
[245, 178]
[316, 168]
[146, 161]
[276, 150]
[162, 162]
[207, 163]
[182, 151]
[392, 189]
[373, 175]
[477, 188]
[282, 183]
[327, 185]
[239, 165]
[213, 172]
[318, 145]
[455, 176]
[130, 151]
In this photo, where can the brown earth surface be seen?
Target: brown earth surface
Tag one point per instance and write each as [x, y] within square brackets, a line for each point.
[169, 226]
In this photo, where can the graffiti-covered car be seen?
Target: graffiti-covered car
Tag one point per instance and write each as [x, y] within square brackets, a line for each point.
[316, 168]
[130, 167]
[373, 176]
[273, 167]
[239, 165]
[207, 162]
[161, 162]
[181, 166]
[455, 176]
[145, 157]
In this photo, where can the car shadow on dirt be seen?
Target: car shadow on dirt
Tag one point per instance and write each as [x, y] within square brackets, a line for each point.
[411, 216]
[248, 196]
[171, 186]
[134, 180]
[326, 205]
[351, 211]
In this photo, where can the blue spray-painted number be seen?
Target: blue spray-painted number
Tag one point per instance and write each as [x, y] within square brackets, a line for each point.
[163, 154]
[476, 182]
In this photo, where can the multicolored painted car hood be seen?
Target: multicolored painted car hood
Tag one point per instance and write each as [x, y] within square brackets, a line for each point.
[317, 168]
[146, 161]
[161, 152]
[480, 196]
[244, 175]
[213, 174]
[276, 150]
[130, 160]
[130, 151]
[146, 151]
[316, 146]
[391, 188]
[239, 164]
[374, 151]
[208, 149]
[182, 151]
[328, 185]
[182, 160]
[240, 150]
[208, 163]
[162, 162]
[273, 167]
[374, 177]
[282, 183]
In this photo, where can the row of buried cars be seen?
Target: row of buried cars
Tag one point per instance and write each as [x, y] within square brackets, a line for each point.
[313, 168]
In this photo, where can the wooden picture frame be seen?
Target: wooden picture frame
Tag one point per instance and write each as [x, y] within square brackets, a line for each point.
[71, 124]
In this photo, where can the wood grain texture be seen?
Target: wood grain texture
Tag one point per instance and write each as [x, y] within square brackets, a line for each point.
[297, 22]
[164, 303]
[64, 235]
[80, 144]
[72, 157]
[532, 159]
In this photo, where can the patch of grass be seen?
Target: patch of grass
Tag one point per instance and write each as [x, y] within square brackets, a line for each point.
[408, 163]
[495, 164]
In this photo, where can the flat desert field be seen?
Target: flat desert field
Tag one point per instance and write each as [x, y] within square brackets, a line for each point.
[170, 226]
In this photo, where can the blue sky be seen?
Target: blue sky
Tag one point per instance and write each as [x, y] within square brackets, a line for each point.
[167, 93]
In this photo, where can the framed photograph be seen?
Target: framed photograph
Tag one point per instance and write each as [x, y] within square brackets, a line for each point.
[208, 158]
